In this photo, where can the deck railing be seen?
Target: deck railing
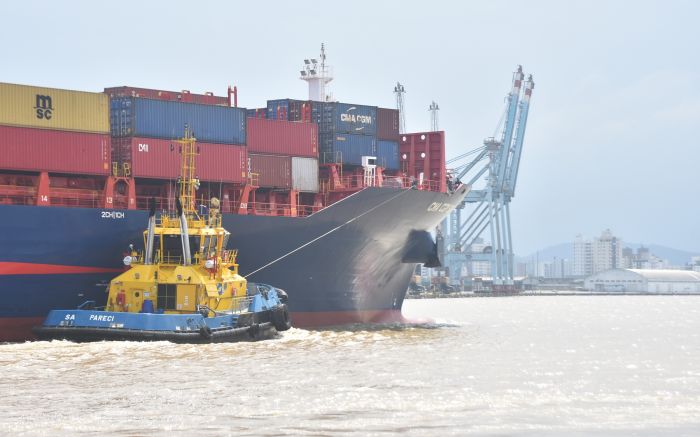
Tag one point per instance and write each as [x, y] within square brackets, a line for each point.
[11, 195]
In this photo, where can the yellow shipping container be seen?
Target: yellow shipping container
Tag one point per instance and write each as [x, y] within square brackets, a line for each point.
[51, 108]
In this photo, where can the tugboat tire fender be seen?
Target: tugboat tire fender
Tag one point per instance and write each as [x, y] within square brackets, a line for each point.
[205, 332]
[254, 330]
[280, 318]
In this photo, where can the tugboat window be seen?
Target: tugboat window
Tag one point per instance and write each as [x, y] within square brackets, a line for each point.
[167, 297]
[172, 247]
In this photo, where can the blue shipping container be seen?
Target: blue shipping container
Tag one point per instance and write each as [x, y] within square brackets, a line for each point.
[257, 113]
[277, 109]
[388, 154]
[132, 116]
[348, 148]
[335, 117]
[288, 109]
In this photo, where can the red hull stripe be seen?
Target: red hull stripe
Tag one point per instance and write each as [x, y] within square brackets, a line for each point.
[14, 268]
[18, 328]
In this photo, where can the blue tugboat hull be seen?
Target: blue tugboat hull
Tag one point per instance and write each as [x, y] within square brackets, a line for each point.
[93, 325]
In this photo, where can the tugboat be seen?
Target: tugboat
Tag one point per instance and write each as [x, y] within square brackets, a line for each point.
[184, 287]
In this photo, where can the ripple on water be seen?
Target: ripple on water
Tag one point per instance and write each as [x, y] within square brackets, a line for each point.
[528, 366]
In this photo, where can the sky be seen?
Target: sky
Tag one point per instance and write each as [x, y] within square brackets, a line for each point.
[612, 138]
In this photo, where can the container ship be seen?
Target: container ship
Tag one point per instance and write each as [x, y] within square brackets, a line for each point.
[325, 199]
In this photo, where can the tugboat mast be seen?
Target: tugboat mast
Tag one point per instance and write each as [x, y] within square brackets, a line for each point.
[188, 179]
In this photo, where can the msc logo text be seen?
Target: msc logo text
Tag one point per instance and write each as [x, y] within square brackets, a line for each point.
[44, 107]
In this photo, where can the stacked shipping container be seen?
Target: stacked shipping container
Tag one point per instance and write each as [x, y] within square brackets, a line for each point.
[66, 131]
[388, 124]
[346, 132]
[164, 119]
[54, 130]
[161, 159]
[257, 113]
[207, 98]
[145, 132]
[388, 138]
[284, 154]
[289, 110]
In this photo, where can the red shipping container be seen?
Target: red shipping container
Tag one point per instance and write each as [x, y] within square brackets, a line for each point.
[424, 152]
[54, 151]
[281, 137]
[179, 96]
[271, 171]
[161, 159]
[388, 124]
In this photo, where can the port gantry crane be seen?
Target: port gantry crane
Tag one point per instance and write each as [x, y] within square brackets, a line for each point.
[496, 164]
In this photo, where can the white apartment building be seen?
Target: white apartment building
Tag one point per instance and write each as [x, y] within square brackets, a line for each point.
[597, 255]
[479, 268]
[583, 256]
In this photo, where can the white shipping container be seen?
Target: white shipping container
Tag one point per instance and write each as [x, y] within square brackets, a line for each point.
[305, 174]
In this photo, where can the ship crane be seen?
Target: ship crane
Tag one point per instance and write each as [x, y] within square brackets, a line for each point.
[496, 165]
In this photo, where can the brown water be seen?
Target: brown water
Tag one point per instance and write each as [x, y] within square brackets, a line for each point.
[533, 366]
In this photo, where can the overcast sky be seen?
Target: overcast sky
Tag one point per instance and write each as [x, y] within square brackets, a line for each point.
[612, 139]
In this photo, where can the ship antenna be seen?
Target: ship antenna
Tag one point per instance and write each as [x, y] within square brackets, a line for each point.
[317, 76]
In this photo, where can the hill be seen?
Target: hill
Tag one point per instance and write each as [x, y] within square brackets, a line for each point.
[676, 257]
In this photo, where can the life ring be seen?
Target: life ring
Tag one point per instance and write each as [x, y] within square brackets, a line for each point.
[280, 318]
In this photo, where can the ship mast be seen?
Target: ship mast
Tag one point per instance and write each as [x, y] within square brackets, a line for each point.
[317, 75]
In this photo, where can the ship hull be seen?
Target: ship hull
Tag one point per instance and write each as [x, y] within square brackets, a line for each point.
[348, 263]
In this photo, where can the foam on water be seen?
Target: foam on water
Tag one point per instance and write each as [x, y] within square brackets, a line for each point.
[523, 366]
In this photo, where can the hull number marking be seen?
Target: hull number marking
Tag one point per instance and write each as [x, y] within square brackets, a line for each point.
[113, 215]
[439, 207]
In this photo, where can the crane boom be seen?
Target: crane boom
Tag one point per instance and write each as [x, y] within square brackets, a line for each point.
[511, 111]
[514, 165]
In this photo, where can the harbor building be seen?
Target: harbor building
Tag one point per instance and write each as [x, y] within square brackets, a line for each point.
[644, 281]
[642, 259]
